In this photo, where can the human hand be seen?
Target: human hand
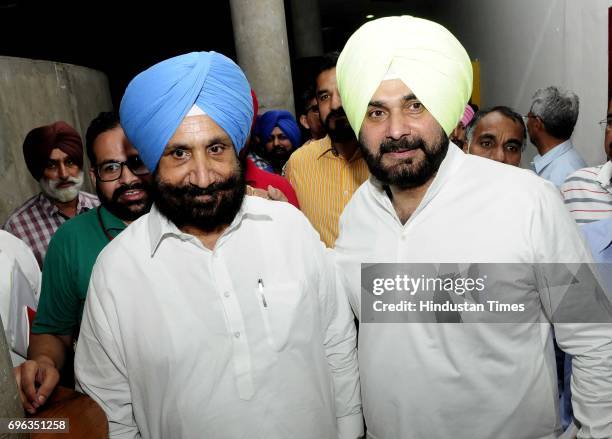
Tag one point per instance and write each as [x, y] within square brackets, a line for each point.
[276, 194]
[35, 382]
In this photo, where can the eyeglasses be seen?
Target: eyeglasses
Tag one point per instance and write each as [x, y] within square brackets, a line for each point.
[526, 117]
[606, 124]
[111, 171]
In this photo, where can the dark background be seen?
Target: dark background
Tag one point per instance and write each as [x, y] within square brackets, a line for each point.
[122, 38]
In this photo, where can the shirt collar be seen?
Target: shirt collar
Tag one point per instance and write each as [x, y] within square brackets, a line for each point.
[110, 221]
[604, 176]
[160, 227]
[326, 150]
[452, 162]
[47, 205]
[541, 161]
[51, 209]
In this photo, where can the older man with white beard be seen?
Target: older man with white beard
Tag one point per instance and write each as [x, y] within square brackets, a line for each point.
[54, 156]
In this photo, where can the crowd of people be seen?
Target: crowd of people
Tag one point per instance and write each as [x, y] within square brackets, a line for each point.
[212, 286]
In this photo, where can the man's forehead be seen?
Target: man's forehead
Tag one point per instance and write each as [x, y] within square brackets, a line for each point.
[496, 124]
[199, 124]
[200, 129]
[57, 154]
[326, 77]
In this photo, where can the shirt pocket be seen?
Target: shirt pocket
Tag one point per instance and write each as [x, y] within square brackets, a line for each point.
[279, 305]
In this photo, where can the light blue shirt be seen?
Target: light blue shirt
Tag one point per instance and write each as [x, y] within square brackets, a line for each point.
[558, 163]
[598, 235]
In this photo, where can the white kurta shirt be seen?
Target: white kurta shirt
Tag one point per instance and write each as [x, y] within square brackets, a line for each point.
[247, 340]
[13, 251]
[472, 381]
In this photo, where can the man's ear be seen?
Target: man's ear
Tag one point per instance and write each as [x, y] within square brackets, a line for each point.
[304, 122]
[92, 175]
[539, 124]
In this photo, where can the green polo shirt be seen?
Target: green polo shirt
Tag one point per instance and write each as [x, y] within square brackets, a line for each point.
[72, 252]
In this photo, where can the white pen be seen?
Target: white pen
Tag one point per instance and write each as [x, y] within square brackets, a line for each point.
[263, 298]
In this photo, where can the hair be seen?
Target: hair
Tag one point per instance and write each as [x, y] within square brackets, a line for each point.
[558, 110]
[105, 121]
[504, 111]
[328, 61]
[305, 98]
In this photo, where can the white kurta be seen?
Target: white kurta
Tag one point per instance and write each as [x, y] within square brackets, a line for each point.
[13, 251]
[178, 341]
[472, 381]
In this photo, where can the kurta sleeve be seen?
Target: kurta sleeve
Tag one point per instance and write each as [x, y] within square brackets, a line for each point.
[340, 338]
[557, 240]
[100, 368]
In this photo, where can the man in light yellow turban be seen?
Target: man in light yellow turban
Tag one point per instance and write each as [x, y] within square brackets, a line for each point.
[404, 84]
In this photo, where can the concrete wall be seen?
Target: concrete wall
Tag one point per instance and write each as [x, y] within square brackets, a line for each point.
[523, 45]
[35, 93]
[10, 404]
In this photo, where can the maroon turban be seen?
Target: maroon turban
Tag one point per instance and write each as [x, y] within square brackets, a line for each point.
[39, 143]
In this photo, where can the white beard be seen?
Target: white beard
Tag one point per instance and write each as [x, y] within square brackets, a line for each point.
[49, 188]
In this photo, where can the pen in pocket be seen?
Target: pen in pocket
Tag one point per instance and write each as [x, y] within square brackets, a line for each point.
[261, 292]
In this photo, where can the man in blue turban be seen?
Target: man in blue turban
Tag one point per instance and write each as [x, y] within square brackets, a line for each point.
[216, 314]
[277, 135]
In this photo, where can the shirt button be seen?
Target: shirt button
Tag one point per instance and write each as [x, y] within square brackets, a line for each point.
[226, 294]
[237, 334]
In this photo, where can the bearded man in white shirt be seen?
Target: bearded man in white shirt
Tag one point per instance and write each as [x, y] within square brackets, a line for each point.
[215, 315]
[404, 83]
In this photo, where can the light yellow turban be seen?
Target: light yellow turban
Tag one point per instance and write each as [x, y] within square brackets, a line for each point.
[423, 54]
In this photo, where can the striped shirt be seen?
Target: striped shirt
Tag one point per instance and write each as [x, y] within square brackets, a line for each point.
[588, 193]
[324, 184]
[37, 219]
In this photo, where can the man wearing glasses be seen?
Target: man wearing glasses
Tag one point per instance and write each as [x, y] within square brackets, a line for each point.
[588, 191]
[123, 186]
[309, 117]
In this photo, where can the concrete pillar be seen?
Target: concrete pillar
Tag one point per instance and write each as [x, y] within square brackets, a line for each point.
[35, 93]
[10, 404]
[260, 34]
[306, 20]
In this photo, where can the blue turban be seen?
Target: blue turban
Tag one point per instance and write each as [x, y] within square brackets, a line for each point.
[278, 118]
[158, 99]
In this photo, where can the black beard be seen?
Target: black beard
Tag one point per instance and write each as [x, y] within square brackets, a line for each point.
[179, 204]
[406, 174]
[130, 210]
[277, 157]
[342, 132]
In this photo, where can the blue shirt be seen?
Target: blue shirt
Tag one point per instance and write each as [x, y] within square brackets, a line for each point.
[558, 163]
[599, 237]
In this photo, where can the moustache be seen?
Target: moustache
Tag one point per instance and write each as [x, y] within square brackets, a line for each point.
[403, 144]
[335, 114]
[279, 150]
[54, 183]
[123, 189]
[211, 189]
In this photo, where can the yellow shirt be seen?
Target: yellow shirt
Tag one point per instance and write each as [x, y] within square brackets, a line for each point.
[324, 184]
